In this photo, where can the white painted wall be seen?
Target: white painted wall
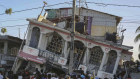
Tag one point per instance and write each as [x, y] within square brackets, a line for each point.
[61, 24]
[67, 38]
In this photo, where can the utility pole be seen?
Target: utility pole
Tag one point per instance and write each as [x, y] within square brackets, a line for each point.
[43, 7]
[79, 6]
[122, 35]
[72, 38]
[19, 32]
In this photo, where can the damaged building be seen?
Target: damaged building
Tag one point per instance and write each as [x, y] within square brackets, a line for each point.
[97, 46]
[9, 47]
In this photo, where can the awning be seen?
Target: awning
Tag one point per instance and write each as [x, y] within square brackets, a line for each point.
[30, 57]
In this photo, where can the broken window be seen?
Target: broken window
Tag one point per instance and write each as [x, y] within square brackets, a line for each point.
[96, 55]
[55, 44]
[1, 48]
[35, 37]
[14, 51]
[111, 61]
[79, 50]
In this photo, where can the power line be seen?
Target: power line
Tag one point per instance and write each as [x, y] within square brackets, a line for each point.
[38, 7]
[15, 29]
[3, 6]
[127, 21]
[105, 4]
[14, 25]
[131, 22]
[12, 20]
[135, 22]
[95, 21]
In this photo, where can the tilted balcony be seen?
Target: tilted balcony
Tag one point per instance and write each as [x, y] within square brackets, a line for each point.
[41, 56]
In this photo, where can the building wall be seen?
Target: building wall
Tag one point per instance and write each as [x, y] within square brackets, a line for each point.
[8, 53]
[101, 23]
[45, 36]
[101, 30]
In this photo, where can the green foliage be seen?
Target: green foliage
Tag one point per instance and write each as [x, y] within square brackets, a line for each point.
[137, 38]
[138, 29]
[45, 2]
[3, 30]
[8, 11]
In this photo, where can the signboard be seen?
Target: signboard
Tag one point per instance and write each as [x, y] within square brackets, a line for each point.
[103, 75]
[32, 58]
[3, 62]
[30, 50]
[84, 68]
[62, 61]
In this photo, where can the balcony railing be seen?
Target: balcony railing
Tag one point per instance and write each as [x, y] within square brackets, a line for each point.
[7, 57]
[32, 53]
[50, 56]
[10, 51]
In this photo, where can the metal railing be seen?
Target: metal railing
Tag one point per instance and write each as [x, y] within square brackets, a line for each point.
[7, 57]
[50, 56]
[12, 51]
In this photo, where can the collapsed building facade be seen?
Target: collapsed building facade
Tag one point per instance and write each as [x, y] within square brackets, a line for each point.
[97, 48]
[9, 47]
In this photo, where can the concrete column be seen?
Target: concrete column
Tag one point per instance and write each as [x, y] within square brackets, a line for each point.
[65, 49]
[28, 35]
[17, 65]
[116, 64]
[40, 41]
[5, 47]
[103, 61]
[86, 56]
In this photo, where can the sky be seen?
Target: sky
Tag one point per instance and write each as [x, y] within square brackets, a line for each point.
[130, 15]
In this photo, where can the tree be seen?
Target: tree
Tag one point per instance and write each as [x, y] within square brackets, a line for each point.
[8, 11]
[137, 38]
[3, 30]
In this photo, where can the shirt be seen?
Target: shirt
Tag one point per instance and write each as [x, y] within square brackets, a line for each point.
[1, 76]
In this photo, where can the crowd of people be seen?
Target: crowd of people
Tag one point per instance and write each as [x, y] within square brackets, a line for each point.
[49, 75]
[42, 75]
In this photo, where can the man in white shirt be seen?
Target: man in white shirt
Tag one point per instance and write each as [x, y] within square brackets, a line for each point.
[1, 76]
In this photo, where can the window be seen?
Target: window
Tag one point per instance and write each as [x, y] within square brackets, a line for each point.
[35, 37]
[96, 55]
[79, 50]
[111, 61]
[55, 44]
[1, 47]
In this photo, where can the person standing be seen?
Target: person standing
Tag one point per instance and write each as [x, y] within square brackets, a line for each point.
[1, 76]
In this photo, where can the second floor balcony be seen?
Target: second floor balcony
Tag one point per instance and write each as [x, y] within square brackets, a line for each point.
[41, 56]
[7, 57]
[10, 51]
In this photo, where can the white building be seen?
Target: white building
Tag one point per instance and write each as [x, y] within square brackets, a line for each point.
[49, 44]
